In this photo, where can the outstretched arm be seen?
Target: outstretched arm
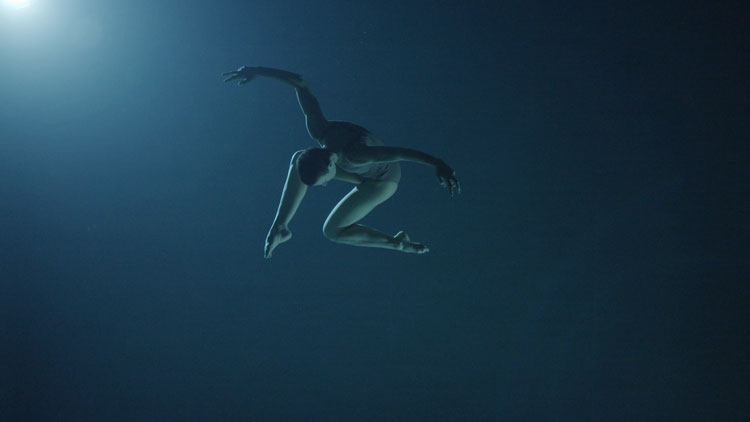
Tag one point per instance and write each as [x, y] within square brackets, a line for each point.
[316, 121]
[246, 74]
[291, 196]
[370, 155]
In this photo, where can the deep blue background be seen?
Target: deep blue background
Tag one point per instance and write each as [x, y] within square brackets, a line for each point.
[591, 270]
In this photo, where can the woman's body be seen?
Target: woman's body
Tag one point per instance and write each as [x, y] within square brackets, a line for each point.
[352, 154]
[349, 136]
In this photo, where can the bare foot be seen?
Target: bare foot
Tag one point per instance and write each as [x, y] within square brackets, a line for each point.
[406, 245]
[276, 236]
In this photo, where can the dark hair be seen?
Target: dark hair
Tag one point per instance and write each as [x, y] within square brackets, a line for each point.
[312, 163]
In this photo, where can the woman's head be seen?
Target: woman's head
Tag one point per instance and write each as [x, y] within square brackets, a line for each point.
[316, 166]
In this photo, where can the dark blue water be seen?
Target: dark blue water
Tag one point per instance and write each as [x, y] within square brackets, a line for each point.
[591, 269]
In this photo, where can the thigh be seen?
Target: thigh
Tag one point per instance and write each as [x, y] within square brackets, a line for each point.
[358, 203]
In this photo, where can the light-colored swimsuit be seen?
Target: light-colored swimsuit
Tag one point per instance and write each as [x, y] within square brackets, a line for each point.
[342, 135]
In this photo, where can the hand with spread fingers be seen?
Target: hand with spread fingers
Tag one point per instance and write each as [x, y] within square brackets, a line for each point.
[244, 74]
[447, 178]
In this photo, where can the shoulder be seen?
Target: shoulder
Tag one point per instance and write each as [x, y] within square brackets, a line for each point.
[346, 126]
[339, 135]
[358, 154]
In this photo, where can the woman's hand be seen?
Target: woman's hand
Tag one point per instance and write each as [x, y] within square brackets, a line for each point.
[276, 236]
[447, 177]
[245, 74]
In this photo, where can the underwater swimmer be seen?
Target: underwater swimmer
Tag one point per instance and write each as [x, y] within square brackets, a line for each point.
[348, 153]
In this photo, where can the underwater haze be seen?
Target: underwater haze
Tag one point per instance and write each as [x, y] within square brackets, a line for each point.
[590, 270]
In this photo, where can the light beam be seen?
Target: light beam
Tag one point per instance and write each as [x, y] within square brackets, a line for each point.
[18, 4]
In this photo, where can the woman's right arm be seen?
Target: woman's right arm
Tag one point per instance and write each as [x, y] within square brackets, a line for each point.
[246, 74]
[291, 196]
[316, 121]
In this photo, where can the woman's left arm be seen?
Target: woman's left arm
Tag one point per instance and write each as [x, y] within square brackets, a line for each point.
[370, 155]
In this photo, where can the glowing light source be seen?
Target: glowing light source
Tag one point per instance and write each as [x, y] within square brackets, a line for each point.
[18, 4]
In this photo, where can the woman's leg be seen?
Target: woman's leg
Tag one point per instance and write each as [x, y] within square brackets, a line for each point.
[340, 226]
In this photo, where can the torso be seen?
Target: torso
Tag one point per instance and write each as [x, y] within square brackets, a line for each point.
[343, 136]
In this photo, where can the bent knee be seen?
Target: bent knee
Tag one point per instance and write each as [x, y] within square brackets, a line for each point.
[331, 231]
